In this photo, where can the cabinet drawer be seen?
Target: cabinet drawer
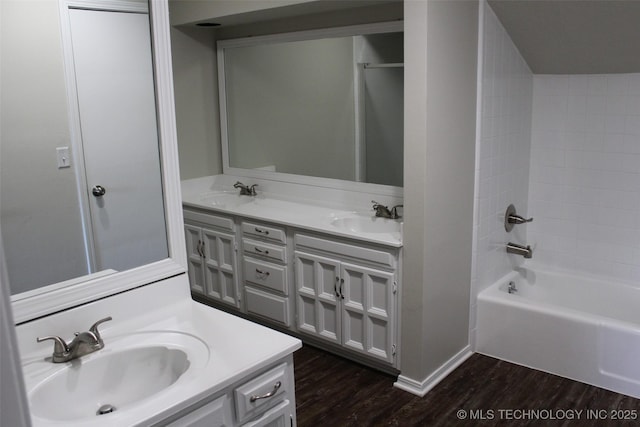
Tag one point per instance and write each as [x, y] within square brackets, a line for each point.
[371, 255]
[209, 219]
[267, 305]
[253, 247]
[261, 393]
[267, 232]
[266, 274]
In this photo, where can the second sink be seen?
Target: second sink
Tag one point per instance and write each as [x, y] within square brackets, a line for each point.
[367, 224]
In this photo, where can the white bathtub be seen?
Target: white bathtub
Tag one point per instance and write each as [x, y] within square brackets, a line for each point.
[576, 327]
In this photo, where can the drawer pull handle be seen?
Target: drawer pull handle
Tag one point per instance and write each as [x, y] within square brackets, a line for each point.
[261, 251]
[272, 393]
[264, 273]
[260, 230]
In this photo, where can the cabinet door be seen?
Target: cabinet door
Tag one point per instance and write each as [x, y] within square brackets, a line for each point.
[368, 302]
[280, 416]
[220, 266]
[194, 258]
[316, 292]
[213, 414]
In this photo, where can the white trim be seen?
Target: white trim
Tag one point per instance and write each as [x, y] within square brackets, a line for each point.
[360, 134]
[167, 134]
[420, 388]
[107, 5]
[383, 27]
[473, 297]
[60, 298]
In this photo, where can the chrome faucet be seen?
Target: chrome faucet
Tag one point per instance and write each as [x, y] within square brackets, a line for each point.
[246, 190]
[83, 343]
[525, 251]
[384, 211]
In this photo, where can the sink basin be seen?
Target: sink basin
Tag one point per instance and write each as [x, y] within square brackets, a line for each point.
[225, 200]
[367, 224]
[113, 381]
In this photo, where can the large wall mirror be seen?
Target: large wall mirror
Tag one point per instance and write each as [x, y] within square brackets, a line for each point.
[88, 171]
[320, 107]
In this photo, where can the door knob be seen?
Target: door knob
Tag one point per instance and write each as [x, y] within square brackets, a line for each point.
[98, 191]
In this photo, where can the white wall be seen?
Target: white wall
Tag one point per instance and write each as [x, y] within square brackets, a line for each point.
[502, 159]
[441, 41]
[13, 401]
[585, 173]
[195, 82]
[41, 225]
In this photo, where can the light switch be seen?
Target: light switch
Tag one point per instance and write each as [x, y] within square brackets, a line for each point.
[64, 159]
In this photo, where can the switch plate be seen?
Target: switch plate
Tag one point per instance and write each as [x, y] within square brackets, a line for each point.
[64, 159]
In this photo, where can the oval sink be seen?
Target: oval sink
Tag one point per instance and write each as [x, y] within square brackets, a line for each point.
[107, 382]
[367, 224]
[225, 200]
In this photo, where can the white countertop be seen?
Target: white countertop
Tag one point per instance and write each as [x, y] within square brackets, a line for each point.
[235, 347]
[295, 210]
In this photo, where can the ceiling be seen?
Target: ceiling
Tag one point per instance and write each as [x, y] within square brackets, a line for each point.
[574, 36]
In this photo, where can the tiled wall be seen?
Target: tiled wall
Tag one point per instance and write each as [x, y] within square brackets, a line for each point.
[502, 152]
[585, 173]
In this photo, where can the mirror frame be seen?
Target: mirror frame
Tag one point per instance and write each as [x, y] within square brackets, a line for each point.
[60, 296]
[227, 169]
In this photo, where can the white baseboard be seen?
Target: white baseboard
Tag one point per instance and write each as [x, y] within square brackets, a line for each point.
[420, 388]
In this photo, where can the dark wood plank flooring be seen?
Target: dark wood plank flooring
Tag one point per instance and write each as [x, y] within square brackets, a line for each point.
[332, 391]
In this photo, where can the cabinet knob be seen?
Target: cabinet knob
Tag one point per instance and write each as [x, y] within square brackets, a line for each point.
[263, 273]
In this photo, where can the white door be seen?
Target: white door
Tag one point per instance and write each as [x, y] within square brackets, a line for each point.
[116, 100]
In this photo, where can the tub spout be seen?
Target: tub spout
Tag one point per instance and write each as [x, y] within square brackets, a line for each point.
[525, 251]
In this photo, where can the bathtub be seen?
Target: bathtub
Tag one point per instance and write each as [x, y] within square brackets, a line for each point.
[577, 327]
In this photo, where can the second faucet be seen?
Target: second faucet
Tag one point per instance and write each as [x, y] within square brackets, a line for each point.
[246, 190]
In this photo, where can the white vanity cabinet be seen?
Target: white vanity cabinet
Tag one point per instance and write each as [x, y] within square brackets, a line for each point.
[266, 273]
[347, 294]
[337, 292]
[211, 252]
[265, 399]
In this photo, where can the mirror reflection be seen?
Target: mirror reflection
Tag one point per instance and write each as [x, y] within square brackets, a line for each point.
[325, 107]
[80, 180]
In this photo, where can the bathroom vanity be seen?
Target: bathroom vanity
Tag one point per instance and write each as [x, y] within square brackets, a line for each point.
[315, 263]
[167, 360]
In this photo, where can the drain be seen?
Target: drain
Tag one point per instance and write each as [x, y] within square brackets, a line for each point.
[105, 409]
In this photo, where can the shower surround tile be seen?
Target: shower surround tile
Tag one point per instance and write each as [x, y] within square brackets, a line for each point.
[502, 151]
[585, 171]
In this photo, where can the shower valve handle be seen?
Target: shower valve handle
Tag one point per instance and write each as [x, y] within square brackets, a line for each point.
[517, 219]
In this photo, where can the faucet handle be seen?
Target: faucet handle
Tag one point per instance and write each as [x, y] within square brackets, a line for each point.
[94, 328]
[60, 347]
[394, 211]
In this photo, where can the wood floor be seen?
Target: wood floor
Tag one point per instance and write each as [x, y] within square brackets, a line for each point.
[334, 392]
